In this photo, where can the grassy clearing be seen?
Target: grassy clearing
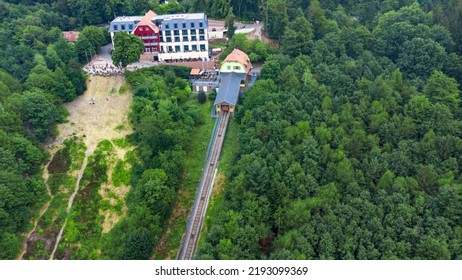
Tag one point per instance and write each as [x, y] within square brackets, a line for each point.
[122, 142]
[195, 161]
[227, 159]
[214, 45]
[124, 88]
[230, 148]
[81, 121]
[121, 174]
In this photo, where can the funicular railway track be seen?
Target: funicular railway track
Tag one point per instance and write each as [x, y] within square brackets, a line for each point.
[191, 237]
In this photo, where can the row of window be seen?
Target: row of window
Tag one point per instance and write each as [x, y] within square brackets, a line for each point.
[183, 25]
[148, 50]
[141, 28]
[185, 48]
[123, 27]
[234, 67]
[185, 39]
[184, 32]
[150, 42]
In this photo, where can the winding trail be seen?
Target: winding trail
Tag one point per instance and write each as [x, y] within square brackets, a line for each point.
[28, 235]
[89, 151]
[42, 211]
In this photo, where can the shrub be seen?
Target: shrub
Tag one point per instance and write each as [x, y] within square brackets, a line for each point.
[213, 95]
[139, 245]
[201, 97]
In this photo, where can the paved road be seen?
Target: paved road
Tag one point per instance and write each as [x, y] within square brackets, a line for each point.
[105, 54]
[244, 30]
[220, 25]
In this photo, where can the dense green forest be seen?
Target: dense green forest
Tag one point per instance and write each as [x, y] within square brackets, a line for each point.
[278, 13]
[39, 71]
[350, 142]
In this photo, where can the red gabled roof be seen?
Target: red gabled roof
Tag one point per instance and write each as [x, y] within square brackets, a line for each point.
[239, 56]
[150, 15]
[147, 21]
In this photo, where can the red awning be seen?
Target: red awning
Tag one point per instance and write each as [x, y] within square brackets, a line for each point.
[195, 72]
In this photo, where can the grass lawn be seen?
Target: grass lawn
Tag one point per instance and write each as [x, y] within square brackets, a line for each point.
[214, 45]
[230, 148]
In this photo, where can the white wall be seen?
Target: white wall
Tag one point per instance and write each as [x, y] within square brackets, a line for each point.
[180, 55]
[216, 34]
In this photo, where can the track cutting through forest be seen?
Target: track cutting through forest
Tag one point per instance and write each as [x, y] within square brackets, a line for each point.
[193, 229]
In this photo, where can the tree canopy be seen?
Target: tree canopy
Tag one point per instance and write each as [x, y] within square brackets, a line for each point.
[127, 49]
[350, 143]
[39, 71]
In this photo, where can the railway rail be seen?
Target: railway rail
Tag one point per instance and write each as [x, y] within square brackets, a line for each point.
[193, 229]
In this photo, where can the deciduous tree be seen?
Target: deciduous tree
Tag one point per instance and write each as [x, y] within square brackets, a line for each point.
[127, 49]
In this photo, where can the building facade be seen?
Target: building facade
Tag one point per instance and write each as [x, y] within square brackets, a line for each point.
[234, 74]
[168, 37]
[238, 62]
[148, 32]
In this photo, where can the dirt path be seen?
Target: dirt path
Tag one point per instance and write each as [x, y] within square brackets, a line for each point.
[71, 201]
[24, 243]
[41, 212]
[92, 123]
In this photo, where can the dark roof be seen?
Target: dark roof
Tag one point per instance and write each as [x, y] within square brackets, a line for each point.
[228, 91]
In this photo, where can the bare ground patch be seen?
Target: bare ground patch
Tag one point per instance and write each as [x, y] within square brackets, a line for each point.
[97, 122]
